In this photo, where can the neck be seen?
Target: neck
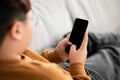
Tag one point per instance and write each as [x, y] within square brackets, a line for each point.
[10, 49]
[8, 55]
[9, 52]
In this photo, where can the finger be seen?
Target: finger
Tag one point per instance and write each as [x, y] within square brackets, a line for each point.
[69, 43]
[72, 49]
[85, 41]
[65, 42]
[68, 36]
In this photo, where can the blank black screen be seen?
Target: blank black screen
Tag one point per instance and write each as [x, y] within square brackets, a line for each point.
[78, 31]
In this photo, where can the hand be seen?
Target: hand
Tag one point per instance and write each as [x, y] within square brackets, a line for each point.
[62, 46]
[79, 56]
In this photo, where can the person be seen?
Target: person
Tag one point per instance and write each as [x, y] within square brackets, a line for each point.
[18, 62]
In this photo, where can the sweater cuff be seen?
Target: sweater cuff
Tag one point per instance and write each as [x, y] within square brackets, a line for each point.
[54, 57]
[77, 69]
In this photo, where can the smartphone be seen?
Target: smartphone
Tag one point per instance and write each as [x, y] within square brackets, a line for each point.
[77, 33]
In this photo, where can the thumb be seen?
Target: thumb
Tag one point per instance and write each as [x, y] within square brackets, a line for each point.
[72, 49]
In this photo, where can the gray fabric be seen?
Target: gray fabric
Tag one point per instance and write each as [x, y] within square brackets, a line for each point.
[103, 62]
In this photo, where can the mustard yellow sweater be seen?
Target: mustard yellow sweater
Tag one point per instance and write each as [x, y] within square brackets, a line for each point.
[34, 66]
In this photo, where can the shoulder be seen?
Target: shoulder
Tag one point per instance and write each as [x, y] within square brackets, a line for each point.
[45, 71]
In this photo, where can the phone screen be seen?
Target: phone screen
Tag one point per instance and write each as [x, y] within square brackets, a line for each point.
[77, 34]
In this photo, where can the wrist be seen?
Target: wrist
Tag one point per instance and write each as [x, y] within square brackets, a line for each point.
[62, 55]
[77, 69]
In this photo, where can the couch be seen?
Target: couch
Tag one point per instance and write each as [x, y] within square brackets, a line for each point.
[54, 18]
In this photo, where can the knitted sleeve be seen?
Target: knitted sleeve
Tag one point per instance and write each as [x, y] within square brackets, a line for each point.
[52, 56]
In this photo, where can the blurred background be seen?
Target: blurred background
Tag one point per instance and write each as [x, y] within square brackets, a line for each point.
[54, 18]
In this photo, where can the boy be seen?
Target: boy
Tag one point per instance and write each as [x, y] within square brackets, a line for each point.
[19, 63]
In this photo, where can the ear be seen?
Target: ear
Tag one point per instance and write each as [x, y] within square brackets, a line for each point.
[16, 30]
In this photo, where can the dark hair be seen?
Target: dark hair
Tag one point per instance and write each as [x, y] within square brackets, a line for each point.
[11, 10]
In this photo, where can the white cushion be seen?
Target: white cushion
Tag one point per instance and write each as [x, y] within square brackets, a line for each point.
[54, 18]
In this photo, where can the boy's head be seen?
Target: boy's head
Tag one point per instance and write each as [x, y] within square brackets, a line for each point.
[15, 18]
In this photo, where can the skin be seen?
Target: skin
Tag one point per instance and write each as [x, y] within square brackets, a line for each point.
[20, 37]
[75, 56]
[17, 39]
